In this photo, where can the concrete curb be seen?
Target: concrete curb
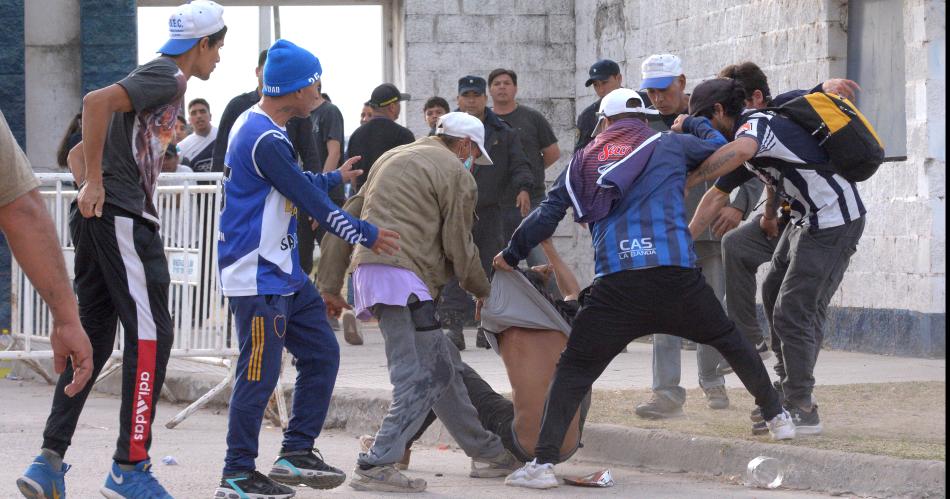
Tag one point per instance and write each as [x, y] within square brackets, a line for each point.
[839, 473]
[360, 411]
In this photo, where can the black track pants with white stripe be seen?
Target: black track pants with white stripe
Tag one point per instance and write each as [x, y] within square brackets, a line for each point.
[121, 275]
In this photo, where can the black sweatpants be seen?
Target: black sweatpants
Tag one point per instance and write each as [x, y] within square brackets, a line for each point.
[121, 274]
[621, 307]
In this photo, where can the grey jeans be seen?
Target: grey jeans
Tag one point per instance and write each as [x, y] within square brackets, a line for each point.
[666, 348]
[744, 250]
[806, 270]
[424, 371]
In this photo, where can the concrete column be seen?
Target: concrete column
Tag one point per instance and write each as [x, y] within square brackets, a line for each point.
[53, 77]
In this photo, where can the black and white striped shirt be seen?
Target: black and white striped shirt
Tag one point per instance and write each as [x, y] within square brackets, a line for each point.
[819, 199]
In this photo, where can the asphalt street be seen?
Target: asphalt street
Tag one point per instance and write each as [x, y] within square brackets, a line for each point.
[198, 447]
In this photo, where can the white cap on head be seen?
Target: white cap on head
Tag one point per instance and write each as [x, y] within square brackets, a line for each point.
[461, 126]
[191, 22]
[659, 70]
[619, 101]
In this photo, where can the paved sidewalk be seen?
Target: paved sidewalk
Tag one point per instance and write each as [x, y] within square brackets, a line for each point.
[364, 367]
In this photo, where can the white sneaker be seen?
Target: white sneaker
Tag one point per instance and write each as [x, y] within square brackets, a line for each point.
[533, 476]
[781, 426]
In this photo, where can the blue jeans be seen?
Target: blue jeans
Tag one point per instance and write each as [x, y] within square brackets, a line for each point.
[666, 348]
[266, 324]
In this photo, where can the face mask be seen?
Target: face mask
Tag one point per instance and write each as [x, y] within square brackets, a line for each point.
[468, 161]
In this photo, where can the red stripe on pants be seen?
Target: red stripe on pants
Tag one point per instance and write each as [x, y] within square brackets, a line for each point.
[142, 401]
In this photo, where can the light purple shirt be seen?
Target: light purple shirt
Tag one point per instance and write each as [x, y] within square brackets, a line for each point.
[378, 284]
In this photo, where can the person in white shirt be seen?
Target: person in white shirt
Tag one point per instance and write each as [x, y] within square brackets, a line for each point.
[196, 149]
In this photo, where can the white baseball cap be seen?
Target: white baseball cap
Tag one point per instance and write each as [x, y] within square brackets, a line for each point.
[463, 125]
[619, 101]
[659, 70]
[190, 23]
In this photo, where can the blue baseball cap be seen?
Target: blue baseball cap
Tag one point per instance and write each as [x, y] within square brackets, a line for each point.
[472, 84]
[659, 71]
[601, 70]
[289, 68]
[190, 23]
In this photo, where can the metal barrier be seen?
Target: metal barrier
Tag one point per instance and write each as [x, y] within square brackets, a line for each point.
[188, 207]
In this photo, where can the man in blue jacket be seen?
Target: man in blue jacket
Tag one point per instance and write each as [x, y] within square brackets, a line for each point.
[273, 301]
[628, 186]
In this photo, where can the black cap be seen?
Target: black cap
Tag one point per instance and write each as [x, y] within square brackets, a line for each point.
[472, 84]
[601, 70]
[710, 92]
[386, 94]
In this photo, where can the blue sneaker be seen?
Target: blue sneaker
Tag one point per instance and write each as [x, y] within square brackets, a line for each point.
[41, 481]
[133, 484]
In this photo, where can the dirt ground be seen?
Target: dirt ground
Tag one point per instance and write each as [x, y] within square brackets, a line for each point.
[906, 420]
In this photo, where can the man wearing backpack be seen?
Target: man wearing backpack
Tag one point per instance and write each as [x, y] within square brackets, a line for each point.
[747, 247]
[812, 254]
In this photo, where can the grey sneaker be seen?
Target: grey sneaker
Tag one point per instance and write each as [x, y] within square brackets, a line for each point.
[716, 397]
[659, 407]
[351, 331]
[502, 465]
[385, 479]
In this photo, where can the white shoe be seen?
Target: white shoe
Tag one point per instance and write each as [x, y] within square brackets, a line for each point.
[781, 426]
[533, 476]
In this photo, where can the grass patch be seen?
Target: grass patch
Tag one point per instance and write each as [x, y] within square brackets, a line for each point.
[905, 420]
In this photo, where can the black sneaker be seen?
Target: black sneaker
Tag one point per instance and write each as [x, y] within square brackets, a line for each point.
[251, 485]
[480, 340]
[306, 467]
[759, 426]
[806, 422]
[457, 337]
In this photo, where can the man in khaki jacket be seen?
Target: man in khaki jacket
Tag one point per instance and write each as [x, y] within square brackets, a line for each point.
[423, 192]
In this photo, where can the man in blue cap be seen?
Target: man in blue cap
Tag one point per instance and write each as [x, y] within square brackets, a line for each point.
[662, 79]
[273, 301]
[121, 271]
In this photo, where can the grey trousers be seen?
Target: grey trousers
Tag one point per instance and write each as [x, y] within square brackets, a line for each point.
[666, 348]
[744, 250]
[806, 270]
[424, 371]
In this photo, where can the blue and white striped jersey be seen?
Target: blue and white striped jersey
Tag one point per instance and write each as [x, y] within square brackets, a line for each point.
[647, 227]
[818, 198]
[264, 185]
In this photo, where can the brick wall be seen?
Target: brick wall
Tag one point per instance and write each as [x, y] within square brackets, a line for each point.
[108, 33]
[448, 39]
